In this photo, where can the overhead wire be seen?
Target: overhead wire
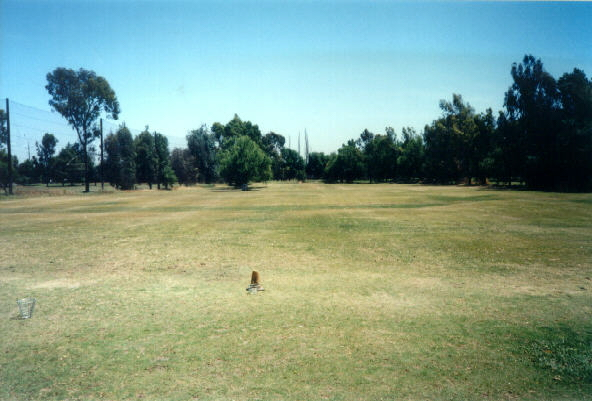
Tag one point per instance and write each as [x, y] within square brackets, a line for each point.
[28, 124]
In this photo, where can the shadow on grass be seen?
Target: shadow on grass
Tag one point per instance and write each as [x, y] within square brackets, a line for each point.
[42, 190]
[239, 189]
[19, 317]
[562, 352]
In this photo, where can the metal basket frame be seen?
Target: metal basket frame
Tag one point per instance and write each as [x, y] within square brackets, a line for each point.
[26, 307]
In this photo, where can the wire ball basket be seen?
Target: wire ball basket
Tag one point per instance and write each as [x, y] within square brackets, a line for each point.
[252, 289]
[26, 306]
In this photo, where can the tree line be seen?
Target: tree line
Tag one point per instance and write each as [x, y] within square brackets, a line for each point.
[542, 139]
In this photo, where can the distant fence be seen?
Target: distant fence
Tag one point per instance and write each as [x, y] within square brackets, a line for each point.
[28, 124]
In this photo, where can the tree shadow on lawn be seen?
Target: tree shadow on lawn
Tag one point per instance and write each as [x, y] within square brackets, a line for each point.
[563, 352]
[232, 189]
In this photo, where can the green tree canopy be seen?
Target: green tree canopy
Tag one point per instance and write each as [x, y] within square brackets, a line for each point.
[481, 147]
[291, 165]
[347, 165]
[202, 146]
[273, 144]
[4, 164]
[235, 128]
[28, 172]
[533, 102]
[80, 96]
[146, 159]
[410, 158]
[45, 153]
[69, 166]
[317, 162]
[183, 165]
[165, 175]
[380, 153]
[243, 162]
[574, 139]
[448, 141]
[121, 159]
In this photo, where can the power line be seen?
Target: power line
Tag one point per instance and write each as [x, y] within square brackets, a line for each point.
[39, 119]
[30, 123]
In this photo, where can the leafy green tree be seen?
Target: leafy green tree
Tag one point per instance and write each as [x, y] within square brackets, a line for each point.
[69, 166]
[225, 135]
[317, 162]
[506, 161]
[440, 151]
[80, 96]
[575, 91]
[236, 128]
[146, 159]
[4, 164]
[45, 153]
[448, 142]
[272, 145]
[183, 166]
[121, 159]
[168, 177]
[347, 165]
[128, 158]
[366, 137]
[481, 147]
[460, 120]
[202, 146]
[112, 161]
[533, 103]
[27, 172]
[218, 133]
[410, 159]
[546, 128]
[332, 170]
[164, 172]
[243, 161]
[381, 154]
[574, 141]
[292, 165]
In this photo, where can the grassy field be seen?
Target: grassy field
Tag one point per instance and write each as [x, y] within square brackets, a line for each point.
[372, 292]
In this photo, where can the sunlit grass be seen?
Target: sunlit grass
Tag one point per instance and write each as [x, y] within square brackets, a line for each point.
[372, 292]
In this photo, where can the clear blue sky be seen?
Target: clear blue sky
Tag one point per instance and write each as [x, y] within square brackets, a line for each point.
[330, 67]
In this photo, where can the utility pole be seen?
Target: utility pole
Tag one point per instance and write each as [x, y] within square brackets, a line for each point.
[8, 146]
[306, 148]
[102, 176]
[298, 143]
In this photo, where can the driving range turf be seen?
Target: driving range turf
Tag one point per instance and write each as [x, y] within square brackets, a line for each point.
[372, 292]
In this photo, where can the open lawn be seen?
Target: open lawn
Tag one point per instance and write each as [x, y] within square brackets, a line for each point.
[371, 292]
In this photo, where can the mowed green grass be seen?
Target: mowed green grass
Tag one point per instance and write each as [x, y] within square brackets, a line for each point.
[371, 292]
